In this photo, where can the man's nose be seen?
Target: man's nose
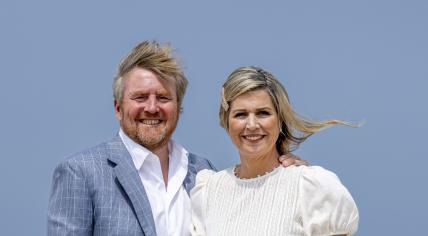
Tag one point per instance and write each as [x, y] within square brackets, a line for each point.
[152, 105]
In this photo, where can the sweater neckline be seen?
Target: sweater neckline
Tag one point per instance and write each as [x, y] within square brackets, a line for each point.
[231, 171]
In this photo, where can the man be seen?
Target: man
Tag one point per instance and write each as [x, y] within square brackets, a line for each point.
[138, 183]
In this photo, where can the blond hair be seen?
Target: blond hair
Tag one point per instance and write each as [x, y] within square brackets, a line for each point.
[158, 59]
[294, 129]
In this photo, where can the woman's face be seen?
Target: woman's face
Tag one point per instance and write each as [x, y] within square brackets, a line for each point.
[253, 124]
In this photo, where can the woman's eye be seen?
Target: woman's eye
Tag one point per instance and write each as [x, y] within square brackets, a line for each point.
[239, 115]
[264, 113]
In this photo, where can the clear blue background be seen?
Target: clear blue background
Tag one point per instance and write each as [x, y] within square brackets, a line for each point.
[351, 60]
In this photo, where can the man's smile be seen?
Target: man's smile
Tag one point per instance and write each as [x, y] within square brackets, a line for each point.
[150, 121]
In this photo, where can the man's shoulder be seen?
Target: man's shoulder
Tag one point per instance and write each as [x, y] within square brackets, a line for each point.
[194, 158]
[96, 153]
[93, 152]
[200, 163]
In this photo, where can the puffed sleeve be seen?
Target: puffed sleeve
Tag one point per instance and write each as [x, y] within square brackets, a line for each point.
[326, 205]
[198, 198]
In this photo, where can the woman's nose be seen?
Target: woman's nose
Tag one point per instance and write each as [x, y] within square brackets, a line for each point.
[252, 122]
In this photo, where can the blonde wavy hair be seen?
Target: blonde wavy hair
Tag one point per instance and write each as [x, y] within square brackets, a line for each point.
[158, 59]
[294, 129]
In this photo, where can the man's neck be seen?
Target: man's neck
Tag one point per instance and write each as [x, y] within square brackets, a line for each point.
[163, 154]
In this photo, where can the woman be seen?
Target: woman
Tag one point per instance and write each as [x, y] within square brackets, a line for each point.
[256, 197]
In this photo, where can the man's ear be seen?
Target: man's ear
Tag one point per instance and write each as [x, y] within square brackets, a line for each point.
[117, 108]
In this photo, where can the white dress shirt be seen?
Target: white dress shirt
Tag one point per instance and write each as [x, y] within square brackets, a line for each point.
[170, 205]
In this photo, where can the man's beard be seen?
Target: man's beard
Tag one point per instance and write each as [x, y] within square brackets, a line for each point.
[150, 139]
[154, 142]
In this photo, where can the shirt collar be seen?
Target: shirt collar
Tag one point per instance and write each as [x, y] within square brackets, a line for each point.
[139, 153]
[178, 156]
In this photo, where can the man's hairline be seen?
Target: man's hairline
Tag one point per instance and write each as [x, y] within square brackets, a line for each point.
[123, 78]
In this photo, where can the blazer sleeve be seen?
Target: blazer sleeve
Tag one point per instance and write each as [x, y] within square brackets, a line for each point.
[326, 205]
[70, 205]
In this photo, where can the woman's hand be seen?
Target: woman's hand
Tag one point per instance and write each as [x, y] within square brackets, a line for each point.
[289, 159]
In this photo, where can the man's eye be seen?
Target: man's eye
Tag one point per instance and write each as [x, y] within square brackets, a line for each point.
[164, 98]
[139, 98]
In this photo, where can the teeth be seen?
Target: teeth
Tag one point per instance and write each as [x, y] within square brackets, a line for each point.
[253, 137]
[150, 122]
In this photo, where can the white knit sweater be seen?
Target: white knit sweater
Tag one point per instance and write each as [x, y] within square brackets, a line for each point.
[287, 201]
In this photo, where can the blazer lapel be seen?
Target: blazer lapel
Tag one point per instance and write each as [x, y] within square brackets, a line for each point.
[128, 177]
[189, 180]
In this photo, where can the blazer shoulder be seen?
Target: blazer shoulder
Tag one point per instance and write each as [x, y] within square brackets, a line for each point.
[90, 163]
[200, 163]
[90, 157]
[89, 154]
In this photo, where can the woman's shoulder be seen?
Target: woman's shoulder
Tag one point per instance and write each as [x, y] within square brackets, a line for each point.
[313, 174]
[199, 192]
[204, 175]
[326, 205]
[202, 178]
[319, 177]
[316, 180]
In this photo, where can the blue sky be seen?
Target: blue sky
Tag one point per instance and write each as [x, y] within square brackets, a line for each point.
[351, 60]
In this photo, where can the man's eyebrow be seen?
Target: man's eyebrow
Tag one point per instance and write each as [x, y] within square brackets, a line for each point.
[134, 93]
[163, 92]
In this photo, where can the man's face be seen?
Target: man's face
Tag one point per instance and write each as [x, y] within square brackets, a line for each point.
[148, 112]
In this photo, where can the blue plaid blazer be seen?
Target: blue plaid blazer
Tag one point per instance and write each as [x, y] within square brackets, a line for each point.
[98, 192]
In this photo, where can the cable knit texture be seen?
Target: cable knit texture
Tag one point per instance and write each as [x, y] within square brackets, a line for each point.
[287, 201]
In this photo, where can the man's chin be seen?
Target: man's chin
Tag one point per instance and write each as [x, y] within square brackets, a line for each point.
[152, 138]
[153, 141]
[153, 144]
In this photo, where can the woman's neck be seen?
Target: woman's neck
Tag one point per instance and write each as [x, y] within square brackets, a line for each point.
[253, 166]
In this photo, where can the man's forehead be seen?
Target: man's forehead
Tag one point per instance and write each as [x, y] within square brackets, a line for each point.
[146, 90]
[164, 87]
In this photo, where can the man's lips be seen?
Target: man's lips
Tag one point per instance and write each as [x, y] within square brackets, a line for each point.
[150, 121]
